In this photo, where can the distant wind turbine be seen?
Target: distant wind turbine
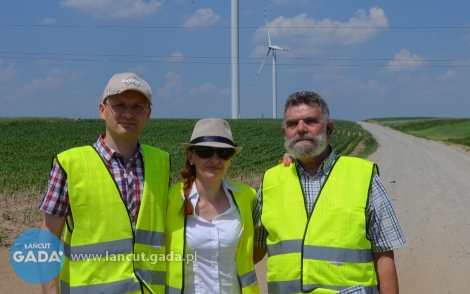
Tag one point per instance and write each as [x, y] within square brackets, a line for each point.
[272, 48]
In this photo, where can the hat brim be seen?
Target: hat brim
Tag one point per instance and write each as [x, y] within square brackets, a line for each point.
[126, 90]
[186, 146]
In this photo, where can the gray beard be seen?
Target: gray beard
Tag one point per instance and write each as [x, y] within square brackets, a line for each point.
[306, 149]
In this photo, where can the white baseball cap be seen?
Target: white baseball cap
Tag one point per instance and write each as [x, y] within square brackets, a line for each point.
[127, 81]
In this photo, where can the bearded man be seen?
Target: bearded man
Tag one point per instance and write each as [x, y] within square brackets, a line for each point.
[326, 220]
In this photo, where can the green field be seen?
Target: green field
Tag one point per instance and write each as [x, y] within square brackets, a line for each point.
[454, 130]
[28, 145]
[397, 121]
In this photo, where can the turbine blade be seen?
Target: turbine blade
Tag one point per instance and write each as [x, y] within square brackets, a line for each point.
[262, 63]
[274, 47]
[266, 19]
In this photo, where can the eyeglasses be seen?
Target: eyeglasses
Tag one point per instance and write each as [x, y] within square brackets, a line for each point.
[120, 108]
[207, 152]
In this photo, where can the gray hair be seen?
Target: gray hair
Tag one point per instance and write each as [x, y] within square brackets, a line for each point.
[309, 98]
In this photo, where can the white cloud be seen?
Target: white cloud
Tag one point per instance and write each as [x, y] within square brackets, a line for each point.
[114, 8]
[203, 89]
[404, 60]
[54, 79]
[48, 83]
[448, 75]
[204, 17]
[7, 73]
[48, 21]
[173, 85]
[175, 57]
[138, 69]
[307, 35]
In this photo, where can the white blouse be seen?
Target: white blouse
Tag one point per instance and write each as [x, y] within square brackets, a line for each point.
[214, 247]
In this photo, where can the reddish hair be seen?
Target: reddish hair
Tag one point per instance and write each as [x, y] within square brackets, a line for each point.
[188, 173]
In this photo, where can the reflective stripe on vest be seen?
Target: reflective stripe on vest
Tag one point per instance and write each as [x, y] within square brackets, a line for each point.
[171, 290]
[320, 252]
[293, 286]
[329, 249]
[124, 286]
[248, 279]
[152, 277]
[175, 239]
[149, 238]
[112, 247]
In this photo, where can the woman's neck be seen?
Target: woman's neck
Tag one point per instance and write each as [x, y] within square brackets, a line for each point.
[209, 191]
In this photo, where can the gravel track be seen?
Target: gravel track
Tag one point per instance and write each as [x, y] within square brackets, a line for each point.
[429, 184]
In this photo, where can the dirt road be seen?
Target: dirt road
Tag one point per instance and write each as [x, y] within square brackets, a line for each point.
[429, 185]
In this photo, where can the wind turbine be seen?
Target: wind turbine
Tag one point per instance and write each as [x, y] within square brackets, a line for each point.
[271, 48]
[235, 75]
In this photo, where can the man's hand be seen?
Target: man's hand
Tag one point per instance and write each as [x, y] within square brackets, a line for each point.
[286, 159]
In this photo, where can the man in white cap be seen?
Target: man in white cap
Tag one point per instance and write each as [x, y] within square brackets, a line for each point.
[110, 202]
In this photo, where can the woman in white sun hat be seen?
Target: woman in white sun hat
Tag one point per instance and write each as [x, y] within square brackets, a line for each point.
[209, 226]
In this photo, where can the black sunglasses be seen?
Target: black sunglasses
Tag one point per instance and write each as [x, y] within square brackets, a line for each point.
[207, 152]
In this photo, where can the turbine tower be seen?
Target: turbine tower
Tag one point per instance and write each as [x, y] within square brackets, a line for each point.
[271, 48]
[235, 59]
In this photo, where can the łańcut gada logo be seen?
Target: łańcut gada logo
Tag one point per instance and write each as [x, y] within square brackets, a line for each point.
[37, 256]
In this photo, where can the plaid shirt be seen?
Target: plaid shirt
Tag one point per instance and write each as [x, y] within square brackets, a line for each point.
[383, 229]
[129, 177]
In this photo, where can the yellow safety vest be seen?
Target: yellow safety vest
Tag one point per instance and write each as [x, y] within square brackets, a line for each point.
[329, 251]
[102, 252]
[175, 239]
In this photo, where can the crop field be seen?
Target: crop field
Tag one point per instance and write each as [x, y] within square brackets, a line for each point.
[462, 141]
[399, 120]
[29, 144]
[453, 130]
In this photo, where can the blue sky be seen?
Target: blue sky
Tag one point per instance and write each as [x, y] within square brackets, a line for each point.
[366, 58]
